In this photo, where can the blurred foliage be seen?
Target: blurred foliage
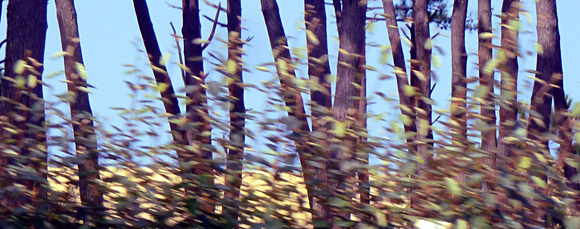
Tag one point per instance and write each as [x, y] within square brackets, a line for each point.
[144, 186]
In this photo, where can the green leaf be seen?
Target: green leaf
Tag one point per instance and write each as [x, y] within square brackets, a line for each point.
[539, 181]
[461, 224]
[452, 186]
[338, 202]
[572, 222]
[164, 59]
[162, 87]
[409, 90]
[199, 41]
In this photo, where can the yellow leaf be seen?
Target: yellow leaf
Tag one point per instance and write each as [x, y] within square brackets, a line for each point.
[312, 38]
[19, 67]
[32, 81]
[486, 35]
[232, 67]
[162, 87]
[525, 162]
[82, 72]
[339, 129]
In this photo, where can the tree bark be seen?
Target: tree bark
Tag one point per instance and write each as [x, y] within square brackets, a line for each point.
[81, 113]
[422, 45]
[458, 79]
[237, 109]
[26, 35]
[350, 71]
[407, 107]
[196, 107]
[488, 137]
[292, 97]
[320, 96]
[509, 78]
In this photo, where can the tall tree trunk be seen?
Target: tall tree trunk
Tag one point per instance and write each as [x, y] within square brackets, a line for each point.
[422, 45]
[488, 137]
[26, 35]
[509, 77]
[318, 70]
[237, 111]
[549, 69]
[196, 108]
[291, 96]
[81, 113]
[402, 80]
[458, 79]
[351, 35]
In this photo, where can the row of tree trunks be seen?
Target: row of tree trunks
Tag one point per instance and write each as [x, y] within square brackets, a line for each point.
[81, 113]
[237, 107]
[26, 36]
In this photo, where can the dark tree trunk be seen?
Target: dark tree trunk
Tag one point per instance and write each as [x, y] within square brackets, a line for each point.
[402, 80]
[290, 94]
[81, 113]
[549, 65]
[238, 110]
[26, 35]
[351, 35]
[509, 78]
[197, 111]
[318, 70]
[459, 71]
[423, 57]
[458, 78]
[159, 71]
[488, 137]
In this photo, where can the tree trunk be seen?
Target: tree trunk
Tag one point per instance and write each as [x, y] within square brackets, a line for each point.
[196, 108]
[320, 97]
[509, 78]
[458, 79]
[407, 107]
[26, 35]
[290, 94]
[81, 113]
[351, 35]
[488, 137]
[422, 45]
[237, 111]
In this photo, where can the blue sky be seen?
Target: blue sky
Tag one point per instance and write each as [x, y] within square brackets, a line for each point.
[110, 37]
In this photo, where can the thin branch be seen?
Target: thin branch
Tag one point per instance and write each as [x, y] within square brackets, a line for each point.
[178, 49]
[217, 14]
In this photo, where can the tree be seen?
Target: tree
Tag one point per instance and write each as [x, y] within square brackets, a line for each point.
[25, 35]
[80, 108]
[407, 107]
[320, 96]
[237, 105]
[196, 106]
[351, 17]
[459, 76]
[488, 137]
[291, 96]
[509, 76]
